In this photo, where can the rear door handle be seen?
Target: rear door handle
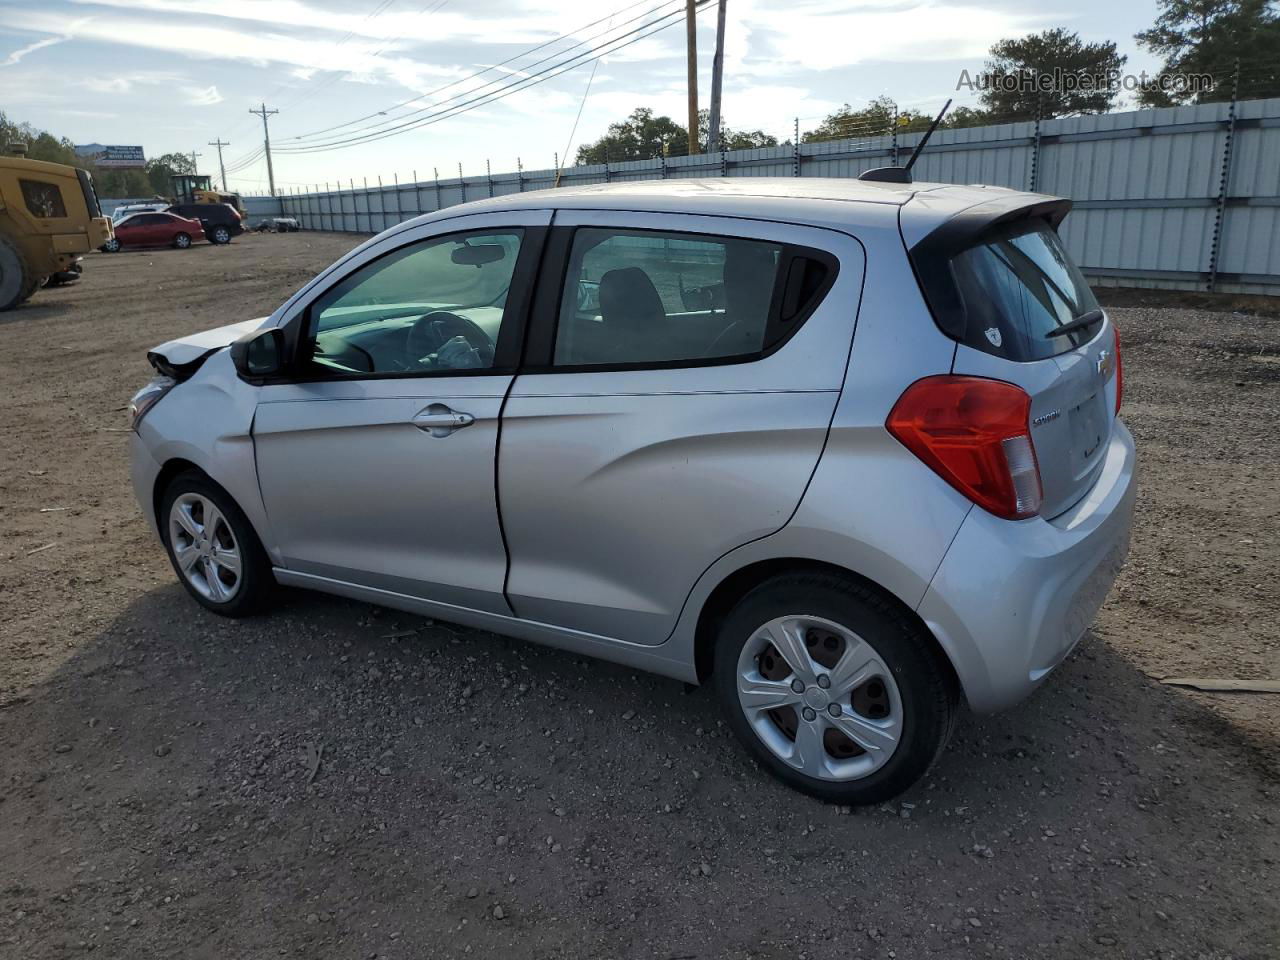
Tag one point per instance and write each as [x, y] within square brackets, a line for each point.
[440, 421]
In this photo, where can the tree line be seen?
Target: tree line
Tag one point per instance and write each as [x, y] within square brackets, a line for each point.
[1204, 37]
[153, 180]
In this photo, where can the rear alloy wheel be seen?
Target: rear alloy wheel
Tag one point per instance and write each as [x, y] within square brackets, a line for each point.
[111, 246]
[220, 235]
[819, 697]
[834, 689]
[213, 548]
[182, 241]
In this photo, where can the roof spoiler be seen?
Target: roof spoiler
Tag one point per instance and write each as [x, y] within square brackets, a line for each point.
[903, 174]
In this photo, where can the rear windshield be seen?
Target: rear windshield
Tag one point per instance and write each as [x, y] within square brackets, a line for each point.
[1016, 285]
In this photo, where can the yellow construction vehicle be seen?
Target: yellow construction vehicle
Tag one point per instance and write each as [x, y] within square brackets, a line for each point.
[49, 218]
[198, 188]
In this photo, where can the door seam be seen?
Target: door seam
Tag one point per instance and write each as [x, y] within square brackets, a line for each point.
[531, 300]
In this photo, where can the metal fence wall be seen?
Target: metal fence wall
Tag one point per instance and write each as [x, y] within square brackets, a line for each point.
[1185, 197]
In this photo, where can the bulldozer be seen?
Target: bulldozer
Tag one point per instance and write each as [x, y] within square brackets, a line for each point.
[198, 188]
[49, 218]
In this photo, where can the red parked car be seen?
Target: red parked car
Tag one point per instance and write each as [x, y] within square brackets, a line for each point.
[155, 230]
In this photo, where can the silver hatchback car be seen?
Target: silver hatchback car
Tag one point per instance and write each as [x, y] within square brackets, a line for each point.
[846, 450]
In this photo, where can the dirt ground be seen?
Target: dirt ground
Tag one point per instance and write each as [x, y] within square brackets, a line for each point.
[316, 783]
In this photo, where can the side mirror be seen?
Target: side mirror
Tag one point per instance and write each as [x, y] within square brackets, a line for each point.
[259, 353]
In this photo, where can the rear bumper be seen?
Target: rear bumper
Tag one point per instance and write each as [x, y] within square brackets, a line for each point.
[1011, 599]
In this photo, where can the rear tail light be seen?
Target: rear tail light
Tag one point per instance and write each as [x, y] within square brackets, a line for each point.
[976, 435]
[1119, 369]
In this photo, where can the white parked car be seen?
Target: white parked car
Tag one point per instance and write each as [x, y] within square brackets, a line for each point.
[126, 210]
[849, 451]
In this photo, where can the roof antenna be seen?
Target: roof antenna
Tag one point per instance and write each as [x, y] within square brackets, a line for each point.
[903, 174]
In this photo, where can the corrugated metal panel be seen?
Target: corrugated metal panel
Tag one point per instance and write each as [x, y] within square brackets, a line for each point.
[1146, 183]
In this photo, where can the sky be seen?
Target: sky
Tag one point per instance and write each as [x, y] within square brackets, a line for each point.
[174, 75]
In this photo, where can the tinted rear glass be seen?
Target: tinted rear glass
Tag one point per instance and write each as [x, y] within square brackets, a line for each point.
[1017, 284]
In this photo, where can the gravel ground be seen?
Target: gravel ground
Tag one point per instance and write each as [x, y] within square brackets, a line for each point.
[336, 780]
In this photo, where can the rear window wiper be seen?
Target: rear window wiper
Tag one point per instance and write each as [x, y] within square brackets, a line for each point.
[1079, 323]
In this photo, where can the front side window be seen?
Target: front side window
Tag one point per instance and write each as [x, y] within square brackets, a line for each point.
[1017, 284]
[429, 307]
[648, 297]
[43, 199]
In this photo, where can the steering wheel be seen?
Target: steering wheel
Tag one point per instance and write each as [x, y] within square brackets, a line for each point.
[432, 331]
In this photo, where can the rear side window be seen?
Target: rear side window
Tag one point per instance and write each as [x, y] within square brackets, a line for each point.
[1015, 285]
[643, 297]
[43, 199]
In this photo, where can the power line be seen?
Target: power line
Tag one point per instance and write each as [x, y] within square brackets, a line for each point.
[582, 104]
[396, 123]
[489, 69]
[645, 30]
[247, 161]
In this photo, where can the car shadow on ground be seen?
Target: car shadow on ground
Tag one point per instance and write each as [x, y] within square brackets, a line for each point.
[338, 779]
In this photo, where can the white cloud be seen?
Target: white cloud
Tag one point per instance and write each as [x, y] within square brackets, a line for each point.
[120, 83]
[17, 55]
[202, 41]
[810, 35]
[203, 96]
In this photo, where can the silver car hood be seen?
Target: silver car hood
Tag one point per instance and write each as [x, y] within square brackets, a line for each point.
[187, 350]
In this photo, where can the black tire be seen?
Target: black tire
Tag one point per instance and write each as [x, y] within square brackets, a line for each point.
[256, 583]
[16, 282]
[926, 686]
[30, 291]
[182, 240]
[219, 235]
[111, 246]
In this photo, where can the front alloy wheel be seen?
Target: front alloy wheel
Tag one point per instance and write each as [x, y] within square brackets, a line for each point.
[205, 548]
[221, 235]
[182, 241]
[213, 547]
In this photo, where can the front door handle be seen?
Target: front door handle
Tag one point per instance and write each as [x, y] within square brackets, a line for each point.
[440, 421]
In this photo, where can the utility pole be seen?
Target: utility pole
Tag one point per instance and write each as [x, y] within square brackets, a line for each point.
[220, 143]
[195, 167]
[691, 40]
[717, 82]
[263, 112]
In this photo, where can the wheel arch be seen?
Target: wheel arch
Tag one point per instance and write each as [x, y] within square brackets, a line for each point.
[168, 471]
[737, 584]
[175, 467]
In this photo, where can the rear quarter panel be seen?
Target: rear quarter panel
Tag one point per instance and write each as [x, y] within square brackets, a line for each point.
[871, 506]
